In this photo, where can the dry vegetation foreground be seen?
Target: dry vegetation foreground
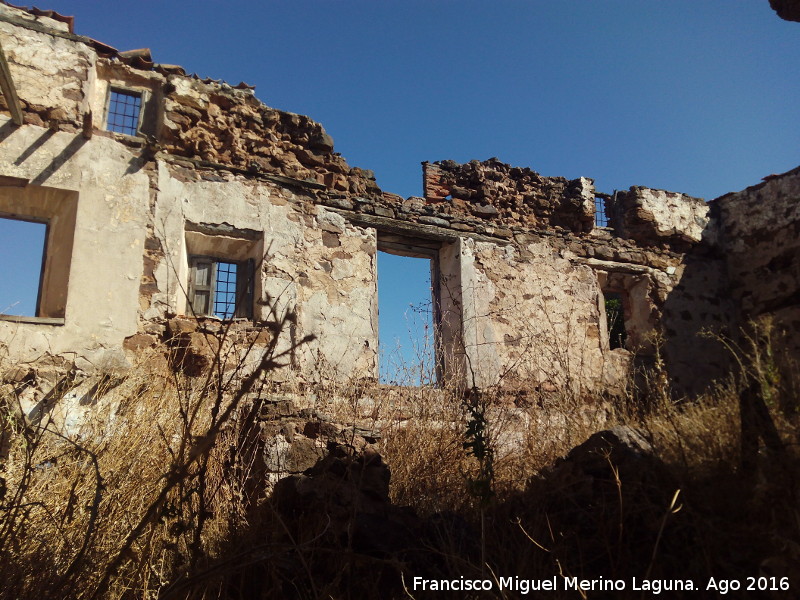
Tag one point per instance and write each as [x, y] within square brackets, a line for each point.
[219, 487]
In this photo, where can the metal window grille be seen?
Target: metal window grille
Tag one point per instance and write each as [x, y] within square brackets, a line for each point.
[221, 288]
[123, 112]
[225, 290]
[600, 217]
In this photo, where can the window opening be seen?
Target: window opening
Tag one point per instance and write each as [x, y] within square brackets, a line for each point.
[615, 320]
[225, 291]
[406, 317]
[221, 288]
[124, 108]
[600, 217]
[22, 245]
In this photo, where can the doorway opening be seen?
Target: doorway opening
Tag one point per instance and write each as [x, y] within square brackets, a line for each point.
[615, 320]
[407, 311]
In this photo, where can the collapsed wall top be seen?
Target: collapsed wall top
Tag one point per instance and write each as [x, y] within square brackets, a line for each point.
[518, 197]
[511, 195]
[203, 120]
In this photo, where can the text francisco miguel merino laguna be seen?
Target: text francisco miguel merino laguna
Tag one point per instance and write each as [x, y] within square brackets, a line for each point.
[556, 583]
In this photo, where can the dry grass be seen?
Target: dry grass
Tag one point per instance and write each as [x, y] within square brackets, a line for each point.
[155, 495]
[114, 509]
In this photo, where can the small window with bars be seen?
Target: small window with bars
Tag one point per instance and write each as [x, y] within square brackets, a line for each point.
[221, 288]
[600, 216]
[124, 109]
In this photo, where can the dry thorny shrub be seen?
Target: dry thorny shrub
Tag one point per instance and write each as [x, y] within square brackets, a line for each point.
[143, 493]
[142, 498]
[716, 517]
[72, 500]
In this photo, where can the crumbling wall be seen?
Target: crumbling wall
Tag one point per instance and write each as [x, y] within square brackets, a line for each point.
[533, 302]
[137, 197]
[309, 261]
[216, 123]
[760, 233]
[660, 218]
[506, 195]
[52, 73]
[213, 171]
[694, 313]
[109, 231]
[100, 233]
[532, 320]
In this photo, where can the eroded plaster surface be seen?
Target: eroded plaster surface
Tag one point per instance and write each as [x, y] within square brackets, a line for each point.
[214, 174]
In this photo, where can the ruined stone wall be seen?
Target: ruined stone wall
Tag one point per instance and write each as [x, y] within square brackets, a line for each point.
[760, 232]
[309, 260]
[534, 312]
[533, 300]
[532, 320]
[508, 196]
[214, 172]
[197, 176]
[52, 71]
[109, 235]
[660, 218]
[213, 122]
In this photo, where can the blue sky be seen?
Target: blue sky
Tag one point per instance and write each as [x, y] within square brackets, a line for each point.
[694, 96]
[698, 96]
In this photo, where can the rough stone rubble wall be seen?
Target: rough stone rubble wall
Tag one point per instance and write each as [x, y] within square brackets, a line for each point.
[533, 308]
[532, 320]
[650, 217]
[509, 196]
[523, 267]
[135, 197]
[219, 124]
[760, 231]
[309, 260]
[53, 73]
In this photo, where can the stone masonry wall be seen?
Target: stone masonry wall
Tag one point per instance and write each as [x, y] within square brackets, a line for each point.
[215, 172]
[502, 194]
[760, 232]
[219, 124]
[657, 217]
[139, 198]
[309, 260]
[52, 71]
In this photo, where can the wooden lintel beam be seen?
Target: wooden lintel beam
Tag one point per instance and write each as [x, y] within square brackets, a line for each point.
[8, 89]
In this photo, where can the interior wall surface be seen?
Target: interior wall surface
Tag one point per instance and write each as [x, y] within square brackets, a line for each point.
[212, 171]
[760, 230]
[310, 262]
[105, 263]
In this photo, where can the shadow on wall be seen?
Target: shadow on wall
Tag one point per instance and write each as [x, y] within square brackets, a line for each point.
[695, 313]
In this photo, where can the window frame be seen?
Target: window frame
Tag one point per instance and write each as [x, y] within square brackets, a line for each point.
[601, 216]
[40, 287]
[430, 249]
[245, 275]
[57, 209]
[118, 89]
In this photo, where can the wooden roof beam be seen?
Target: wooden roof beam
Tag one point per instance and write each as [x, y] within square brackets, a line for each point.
[8, 89]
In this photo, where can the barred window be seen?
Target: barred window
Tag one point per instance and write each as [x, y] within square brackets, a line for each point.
[124, 109]
[600, 217]
[221, 288]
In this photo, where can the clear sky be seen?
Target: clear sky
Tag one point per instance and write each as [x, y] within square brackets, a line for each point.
[698, 96]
